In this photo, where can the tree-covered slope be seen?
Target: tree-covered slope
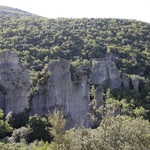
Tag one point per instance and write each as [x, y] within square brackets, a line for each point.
[37, 40]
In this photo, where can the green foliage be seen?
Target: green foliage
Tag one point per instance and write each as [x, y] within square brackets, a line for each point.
[39, 127]
[114, 107]
[114, 132]
[43, 75]
[58, 122]
[14, 146]
[40, 146]
[21, 134]
[5, 128]
[36, 39]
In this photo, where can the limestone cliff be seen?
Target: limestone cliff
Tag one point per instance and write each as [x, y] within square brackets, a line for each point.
[62, 88]
[60, 91]
[14, 84]
[105, 73]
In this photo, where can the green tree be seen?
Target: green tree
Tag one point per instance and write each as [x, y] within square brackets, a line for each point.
[58, 122]
[5, 128]
[38, 126]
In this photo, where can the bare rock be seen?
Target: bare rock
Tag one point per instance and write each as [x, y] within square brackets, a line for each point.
[135, 82]
[125, 81]
[105, 73]
[99, 73]
[60, 91]
[14, 83]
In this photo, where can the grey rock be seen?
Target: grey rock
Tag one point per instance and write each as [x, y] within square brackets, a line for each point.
[135, 82]
[125, 81]
[14, 83]
[105, 73]
[60, 91]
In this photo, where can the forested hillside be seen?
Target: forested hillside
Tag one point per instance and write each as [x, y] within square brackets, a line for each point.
[38, 40]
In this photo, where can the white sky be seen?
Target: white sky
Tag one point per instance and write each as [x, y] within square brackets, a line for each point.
[128, 9]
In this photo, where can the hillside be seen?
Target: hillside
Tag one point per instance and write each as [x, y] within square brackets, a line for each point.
[37, 40]
[58, 71]
[74, 39]
[4, 10]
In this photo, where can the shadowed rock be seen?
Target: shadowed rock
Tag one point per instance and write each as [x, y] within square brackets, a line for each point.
[99, 96]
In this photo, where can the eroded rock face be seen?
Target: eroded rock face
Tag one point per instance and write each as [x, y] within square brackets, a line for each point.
[105, 73]
[125, 81]
[14, 83]
[60, 91]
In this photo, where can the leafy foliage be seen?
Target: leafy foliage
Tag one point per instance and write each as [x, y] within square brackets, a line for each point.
[39, 127]
[5, 128]
[114, 132]
[58, 122]
[38, 39]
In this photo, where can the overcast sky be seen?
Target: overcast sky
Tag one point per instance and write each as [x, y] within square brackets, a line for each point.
[128, 9]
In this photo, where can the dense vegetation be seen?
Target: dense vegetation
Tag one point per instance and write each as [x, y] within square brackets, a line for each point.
[120, 132]
[37, 40]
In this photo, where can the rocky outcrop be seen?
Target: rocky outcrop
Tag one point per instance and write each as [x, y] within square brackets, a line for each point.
[61, 91]
[105, 73]
[59, 88]
[125, 81]
[14, 84]
[135, 82]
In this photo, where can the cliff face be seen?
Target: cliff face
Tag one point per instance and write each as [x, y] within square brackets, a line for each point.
[14, 84]
[61, 88]
[60, 91]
